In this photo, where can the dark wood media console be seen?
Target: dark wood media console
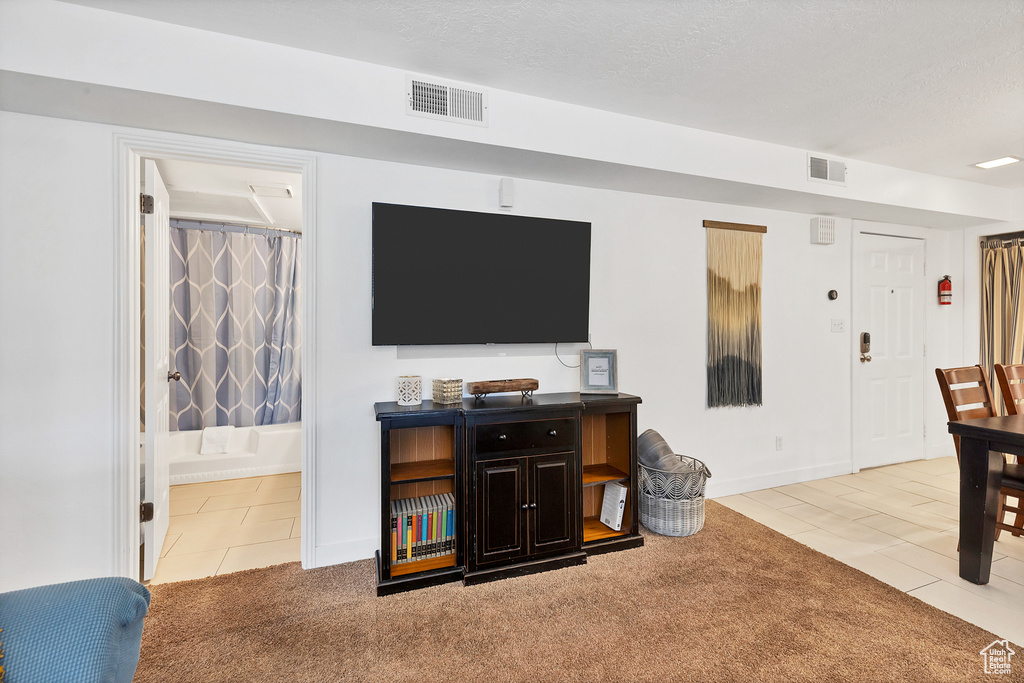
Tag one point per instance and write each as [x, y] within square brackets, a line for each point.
[527, 476]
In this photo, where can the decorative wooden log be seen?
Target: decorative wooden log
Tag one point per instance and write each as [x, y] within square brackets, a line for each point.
[496, 386]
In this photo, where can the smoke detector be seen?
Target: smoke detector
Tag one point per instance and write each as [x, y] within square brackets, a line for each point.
[445, 101]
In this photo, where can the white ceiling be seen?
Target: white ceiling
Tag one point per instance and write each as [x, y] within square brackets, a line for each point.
[926, 85]
[211, 192]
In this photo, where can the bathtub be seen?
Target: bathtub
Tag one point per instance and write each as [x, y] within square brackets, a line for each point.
[252, 452]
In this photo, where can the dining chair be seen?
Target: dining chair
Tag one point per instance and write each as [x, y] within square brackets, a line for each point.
[971, 399]
[1011, 385]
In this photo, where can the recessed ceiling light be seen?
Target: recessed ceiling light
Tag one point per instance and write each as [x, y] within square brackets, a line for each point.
[998, 162]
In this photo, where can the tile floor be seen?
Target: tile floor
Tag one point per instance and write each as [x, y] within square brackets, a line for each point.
[220, 527]
[898, 524]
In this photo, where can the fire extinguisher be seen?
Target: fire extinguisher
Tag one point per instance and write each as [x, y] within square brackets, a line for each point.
[945, 291]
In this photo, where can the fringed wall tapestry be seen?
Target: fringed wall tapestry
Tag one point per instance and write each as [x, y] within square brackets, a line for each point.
[734, 314]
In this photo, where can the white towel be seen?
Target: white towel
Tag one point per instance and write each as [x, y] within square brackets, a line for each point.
[215, 440]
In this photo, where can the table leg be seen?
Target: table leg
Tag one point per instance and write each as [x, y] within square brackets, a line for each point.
[981, 475]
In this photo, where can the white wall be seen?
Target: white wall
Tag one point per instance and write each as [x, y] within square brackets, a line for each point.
[56, 351]
[648, 302]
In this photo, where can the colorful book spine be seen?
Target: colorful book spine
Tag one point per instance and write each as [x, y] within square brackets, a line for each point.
[394, 533]
[422, 527]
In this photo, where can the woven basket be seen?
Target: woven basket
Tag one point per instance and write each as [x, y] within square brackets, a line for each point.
[672, 503]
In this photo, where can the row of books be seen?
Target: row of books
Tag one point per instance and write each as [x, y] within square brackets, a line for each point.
[422, 527]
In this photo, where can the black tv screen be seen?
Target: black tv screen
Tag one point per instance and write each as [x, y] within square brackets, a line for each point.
[462, 277]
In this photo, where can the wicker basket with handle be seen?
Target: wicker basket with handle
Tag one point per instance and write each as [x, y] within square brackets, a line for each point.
[672, 502]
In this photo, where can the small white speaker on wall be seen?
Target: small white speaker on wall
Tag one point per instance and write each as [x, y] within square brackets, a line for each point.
[823, 230]
[506, 193]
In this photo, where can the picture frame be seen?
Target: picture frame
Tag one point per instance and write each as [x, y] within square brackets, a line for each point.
[599, 371]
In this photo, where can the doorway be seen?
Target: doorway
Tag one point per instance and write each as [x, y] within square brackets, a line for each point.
[229, 426]
[889, 349]
[133, 151]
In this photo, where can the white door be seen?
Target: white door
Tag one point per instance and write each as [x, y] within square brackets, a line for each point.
[157, 370]
[889, 304]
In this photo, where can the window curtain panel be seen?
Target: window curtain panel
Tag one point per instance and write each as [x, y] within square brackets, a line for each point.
[734, 318]
[1002, 320]
[235, 329]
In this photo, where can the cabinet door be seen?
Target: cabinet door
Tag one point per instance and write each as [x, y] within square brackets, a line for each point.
[552, 503]
[500, 509]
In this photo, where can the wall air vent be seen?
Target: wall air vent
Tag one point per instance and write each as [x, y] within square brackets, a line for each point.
[823, 230]
[826, 170]
[445, 101]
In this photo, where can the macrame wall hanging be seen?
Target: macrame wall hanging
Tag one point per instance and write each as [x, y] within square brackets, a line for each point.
[734, 314]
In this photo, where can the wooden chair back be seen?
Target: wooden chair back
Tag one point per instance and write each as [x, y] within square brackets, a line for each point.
[973, 399]
[967, 402]
[1011, 385]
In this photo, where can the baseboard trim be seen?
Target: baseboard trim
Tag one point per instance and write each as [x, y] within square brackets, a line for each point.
[717, 488]
[346, 551]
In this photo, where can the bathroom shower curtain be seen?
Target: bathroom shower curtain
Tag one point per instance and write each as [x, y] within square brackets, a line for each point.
[235, 329]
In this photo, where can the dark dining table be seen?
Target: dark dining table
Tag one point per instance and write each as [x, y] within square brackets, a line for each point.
[982, 444]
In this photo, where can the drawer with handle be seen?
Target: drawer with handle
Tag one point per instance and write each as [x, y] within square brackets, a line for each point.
[549, 435]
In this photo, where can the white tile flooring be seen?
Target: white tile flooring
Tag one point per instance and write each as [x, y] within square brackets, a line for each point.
[898, 524]
[220, 527]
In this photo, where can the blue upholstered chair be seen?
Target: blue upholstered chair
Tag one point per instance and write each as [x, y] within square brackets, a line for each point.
[81, 632]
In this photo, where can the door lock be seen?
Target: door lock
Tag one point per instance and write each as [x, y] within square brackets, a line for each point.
[865, 347]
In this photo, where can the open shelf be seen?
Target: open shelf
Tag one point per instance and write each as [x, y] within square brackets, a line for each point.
[602, 473]
[595, 530]
[425, 565]
[423, 470]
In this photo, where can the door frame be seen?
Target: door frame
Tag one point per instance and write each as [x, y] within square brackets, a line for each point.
[857, 323]
[129, 150]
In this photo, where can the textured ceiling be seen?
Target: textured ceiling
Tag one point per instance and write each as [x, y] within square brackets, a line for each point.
[927, 85]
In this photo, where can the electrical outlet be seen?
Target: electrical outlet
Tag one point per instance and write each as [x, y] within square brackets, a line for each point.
[778, 443]
[838, 325]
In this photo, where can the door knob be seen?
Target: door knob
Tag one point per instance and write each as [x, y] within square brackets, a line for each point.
[176, 376]
[865, 358]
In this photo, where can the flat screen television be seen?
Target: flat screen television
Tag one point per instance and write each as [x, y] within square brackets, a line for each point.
[461, 277]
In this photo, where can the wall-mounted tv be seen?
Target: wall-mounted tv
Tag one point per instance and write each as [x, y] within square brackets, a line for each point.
[461, 277]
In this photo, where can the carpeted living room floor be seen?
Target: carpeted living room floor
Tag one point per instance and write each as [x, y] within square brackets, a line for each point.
[735, 602]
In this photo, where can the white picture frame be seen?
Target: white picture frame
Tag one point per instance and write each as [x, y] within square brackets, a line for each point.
[599, 371]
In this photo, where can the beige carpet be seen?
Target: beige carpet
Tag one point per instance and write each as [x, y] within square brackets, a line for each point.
[735, 602]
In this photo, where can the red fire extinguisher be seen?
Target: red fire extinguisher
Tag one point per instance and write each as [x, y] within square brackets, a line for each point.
[945, 291]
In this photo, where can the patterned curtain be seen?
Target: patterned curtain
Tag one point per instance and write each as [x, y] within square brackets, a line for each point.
[235, 332]
[1002, 317]
[734, 317]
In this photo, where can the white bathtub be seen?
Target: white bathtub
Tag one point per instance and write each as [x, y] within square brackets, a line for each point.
[252, 452]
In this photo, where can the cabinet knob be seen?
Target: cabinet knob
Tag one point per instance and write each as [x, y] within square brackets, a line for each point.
[502, 437]
[523, 506]
[533, 505]
[552, 432]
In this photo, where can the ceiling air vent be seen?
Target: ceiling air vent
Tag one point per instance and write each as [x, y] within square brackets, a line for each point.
[445, 101]
[826, 170]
